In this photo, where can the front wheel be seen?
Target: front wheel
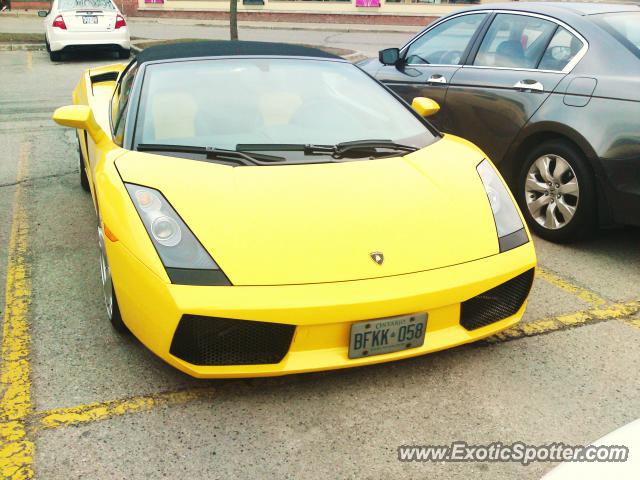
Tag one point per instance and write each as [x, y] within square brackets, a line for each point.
[110, 300]
[556, 192]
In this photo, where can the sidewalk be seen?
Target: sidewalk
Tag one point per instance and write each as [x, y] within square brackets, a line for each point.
[329, 27]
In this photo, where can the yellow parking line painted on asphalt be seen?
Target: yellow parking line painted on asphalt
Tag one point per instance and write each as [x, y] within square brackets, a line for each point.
[29, 60]
[618, 311]
[582, 293]
[16, 450]
[634, 322]
[102, 411]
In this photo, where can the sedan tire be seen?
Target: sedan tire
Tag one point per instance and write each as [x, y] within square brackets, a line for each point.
[556, 192]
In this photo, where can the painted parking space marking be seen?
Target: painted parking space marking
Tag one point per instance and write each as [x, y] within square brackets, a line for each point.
[95, 412]
[584, 294]
[619, 311]
[16, 449]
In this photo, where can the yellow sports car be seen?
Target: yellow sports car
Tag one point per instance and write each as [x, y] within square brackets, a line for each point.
[266, 209]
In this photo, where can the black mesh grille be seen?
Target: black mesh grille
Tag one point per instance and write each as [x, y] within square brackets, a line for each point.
[223, 341]
[496, 304]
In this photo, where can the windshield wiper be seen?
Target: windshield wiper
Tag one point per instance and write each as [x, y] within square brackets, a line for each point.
[339, 150]
[214, 153]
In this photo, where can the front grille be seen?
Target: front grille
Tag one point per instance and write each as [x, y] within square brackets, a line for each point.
[224, 341]
[496, 304]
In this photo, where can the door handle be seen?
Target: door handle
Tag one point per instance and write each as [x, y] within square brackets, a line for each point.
[532, 85]
[437, 78]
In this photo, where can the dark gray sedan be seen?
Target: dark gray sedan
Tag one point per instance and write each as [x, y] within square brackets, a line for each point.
[551, 93]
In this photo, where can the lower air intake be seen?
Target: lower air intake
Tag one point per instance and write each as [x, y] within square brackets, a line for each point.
[496, 304]
[223, 341]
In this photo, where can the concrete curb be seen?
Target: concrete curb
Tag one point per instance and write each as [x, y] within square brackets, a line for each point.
[25, 47]
[334, 27]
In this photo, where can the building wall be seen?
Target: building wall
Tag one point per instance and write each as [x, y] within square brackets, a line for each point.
[29, 5]
[349, 11]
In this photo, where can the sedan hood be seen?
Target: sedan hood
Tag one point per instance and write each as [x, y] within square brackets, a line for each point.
[297, 224]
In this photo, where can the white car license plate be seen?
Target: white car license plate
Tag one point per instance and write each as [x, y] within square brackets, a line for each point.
[89, 20]
[375, 337]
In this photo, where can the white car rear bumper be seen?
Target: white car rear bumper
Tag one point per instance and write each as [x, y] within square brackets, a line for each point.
[60, 39]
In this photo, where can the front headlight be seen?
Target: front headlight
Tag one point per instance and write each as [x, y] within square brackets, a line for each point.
[511, 232]
[184, 258]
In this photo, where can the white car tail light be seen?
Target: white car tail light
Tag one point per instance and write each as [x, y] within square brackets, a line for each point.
[120, 22]
[58, 22]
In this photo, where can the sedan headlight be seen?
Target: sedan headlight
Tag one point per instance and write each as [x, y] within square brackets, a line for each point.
[184, 258]
[511, 232]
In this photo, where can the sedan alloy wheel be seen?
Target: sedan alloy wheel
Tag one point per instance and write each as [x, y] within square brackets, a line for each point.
[552, 192]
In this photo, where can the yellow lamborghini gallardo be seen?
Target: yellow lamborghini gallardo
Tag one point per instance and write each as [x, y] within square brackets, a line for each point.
[266, 209]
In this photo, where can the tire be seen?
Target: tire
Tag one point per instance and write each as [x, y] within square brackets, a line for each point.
[55, 56]
[124, 53]
[556, 192]
[84, 181]
[116, 319]
[110, 299]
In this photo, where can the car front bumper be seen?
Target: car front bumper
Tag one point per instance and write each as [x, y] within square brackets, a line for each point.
[322, 313]
[65, 40]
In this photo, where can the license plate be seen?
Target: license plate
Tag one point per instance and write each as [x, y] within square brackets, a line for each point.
[387, 335]
[89, 20]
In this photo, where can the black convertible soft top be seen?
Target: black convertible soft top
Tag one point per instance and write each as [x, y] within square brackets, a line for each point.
[222, 48]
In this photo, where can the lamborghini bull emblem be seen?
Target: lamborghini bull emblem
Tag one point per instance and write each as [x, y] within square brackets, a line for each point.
[377, 257]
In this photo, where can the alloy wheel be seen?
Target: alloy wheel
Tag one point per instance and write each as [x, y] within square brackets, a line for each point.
[105, 275]
[552, 191]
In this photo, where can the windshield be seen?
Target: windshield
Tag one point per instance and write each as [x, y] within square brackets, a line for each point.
[82, 4]
[226, 102]
[625, 27]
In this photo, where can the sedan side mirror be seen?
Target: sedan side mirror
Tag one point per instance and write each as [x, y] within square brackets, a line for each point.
[425, 106]
[389, 56]
[42, 13]
[80, 117]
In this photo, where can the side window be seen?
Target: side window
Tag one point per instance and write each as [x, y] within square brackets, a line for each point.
[514, 41]
[120, 102]
[445, 43]
[561, 50]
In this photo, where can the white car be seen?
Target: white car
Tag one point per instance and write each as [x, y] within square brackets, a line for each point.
[85, 24]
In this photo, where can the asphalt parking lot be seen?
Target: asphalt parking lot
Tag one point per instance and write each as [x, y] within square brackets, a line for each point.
[81, 401]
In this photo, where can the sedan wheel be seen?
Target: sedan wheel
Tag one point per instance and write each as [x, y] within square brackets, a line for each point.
[110, 301]
[552, 191]
[556, 192]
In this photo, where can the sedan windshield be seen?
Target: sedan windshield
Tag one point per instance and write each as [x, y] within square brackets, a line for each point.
[268, 102]
[625, 27]
[86, 4]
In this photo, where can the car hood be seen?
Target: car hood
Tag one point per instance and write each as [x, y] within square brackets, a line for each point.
[297, 224]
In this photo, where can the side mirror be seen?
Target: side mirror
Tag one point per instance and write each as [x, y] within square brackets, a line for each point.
[42, 13]
[425, 106]
[389, 56]
[80, 117]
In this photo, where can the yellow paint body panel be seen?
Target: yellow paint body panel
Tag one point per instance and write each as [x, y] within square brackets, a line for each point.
[295, 242]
